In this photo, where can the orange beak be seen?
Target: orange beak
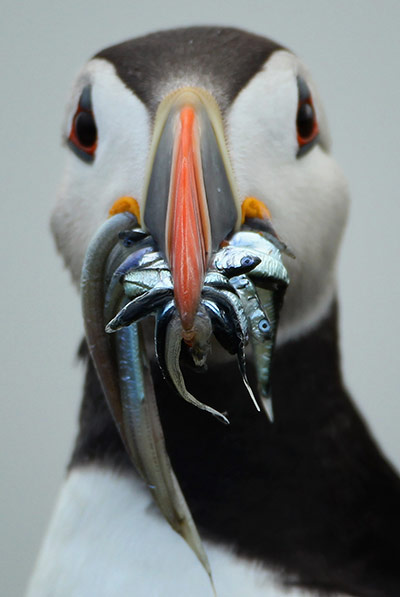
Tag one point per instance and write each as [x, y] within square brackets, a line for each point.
[188, 227]
[191, 206]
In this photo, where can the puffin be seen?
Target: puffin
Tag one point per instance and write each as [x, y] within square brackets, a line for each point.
[292, 499]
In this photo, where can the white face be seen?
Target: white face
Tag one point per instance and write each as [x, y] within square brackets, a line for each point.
[88, 190]
[307, 195]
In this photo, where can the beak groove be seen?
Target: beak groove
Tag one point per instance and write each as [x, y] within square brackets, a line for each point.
[191, 202]
[188, 226]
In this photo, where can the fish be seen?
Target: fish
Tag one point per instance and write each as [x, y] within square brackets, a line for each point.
[122, 364]
[144, 433]
[233, 261]
[267, 284]
[270, 271]
[232, 303]
[118, 264]
[125, 279]
[142, 280]
[224, 329]
[261, 336]
[139, 308]
[171, 354]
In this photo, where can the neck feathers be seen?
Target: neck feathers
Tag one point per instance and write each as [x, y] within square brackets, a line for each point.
[310, 493]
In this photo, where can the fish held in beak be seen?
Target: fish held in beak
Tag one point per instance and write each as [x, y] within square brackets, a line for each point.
[190, 169]
[197, 264]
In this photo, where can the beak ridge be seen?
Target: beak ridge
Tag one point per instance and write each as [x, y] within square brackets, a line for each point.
[191, 203]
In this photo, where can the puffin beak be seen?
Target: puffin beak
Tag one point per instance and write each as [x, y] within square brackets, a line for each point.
[191, 204]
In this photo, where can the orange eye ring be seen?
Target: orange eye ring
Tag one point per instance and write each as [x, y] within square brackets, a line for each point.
[83, 134]
[83, 131]
[306, 122]
[307, 129]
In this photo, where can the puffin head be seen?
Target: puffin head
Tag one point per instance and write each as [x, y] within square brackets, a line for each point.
[213, 116]
[201, 134]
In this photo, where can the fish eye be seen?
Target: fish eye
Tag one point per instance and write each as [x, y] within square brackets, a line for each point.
[131, 237]
[246, 261]
[128, 242]
[127, 238]
[83, 134]
[264, 326]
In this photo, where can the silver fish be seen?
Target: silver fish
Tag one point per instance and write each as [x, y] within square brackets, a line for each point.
[154, 259]
[233, 261]
[231, 301]
[260, 326]
[128, 386]
[217, 280]
[146, 441]
[92, 293]
[224, 327]
[270, 268]
[142, 306]
[123, 261]
[261, 336]
[271, 279]
[138, 281]
[125, 279]
[172, 351]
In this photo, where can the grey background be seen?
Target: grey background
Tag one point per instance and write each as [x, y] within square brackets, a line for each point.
[352, 49]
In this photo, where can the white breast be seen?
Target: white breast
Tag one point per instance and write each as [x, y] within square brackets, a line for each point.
[107, 539]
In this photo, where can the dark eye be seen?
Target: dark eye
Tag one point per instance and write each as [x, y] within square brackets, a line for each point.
[83, 135]
[85, 130]
[306, 120]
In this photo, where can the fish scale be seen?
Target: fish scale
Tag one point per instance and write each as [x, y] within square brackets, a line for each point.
[133, 281]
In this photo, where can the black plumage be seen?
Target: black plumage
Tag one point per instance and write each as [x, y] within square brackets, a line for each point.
[205, 54]
[310, 494]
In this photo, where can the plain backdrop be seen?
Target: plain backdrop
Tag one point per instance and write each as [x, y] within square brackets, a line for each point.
[352, 49]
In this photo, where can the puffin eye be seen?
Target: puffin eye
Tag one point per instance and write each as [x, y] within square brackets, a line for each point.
[85, 130]
[83, 135]
[306, 120]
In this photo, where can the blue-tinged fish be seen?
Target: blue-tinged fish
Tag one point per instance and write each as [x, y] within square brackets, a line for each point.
[232, 304]
[122, 366]
[233, 261]
[172, 351]
[270, 271]
[261, 336]
[139, 308]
